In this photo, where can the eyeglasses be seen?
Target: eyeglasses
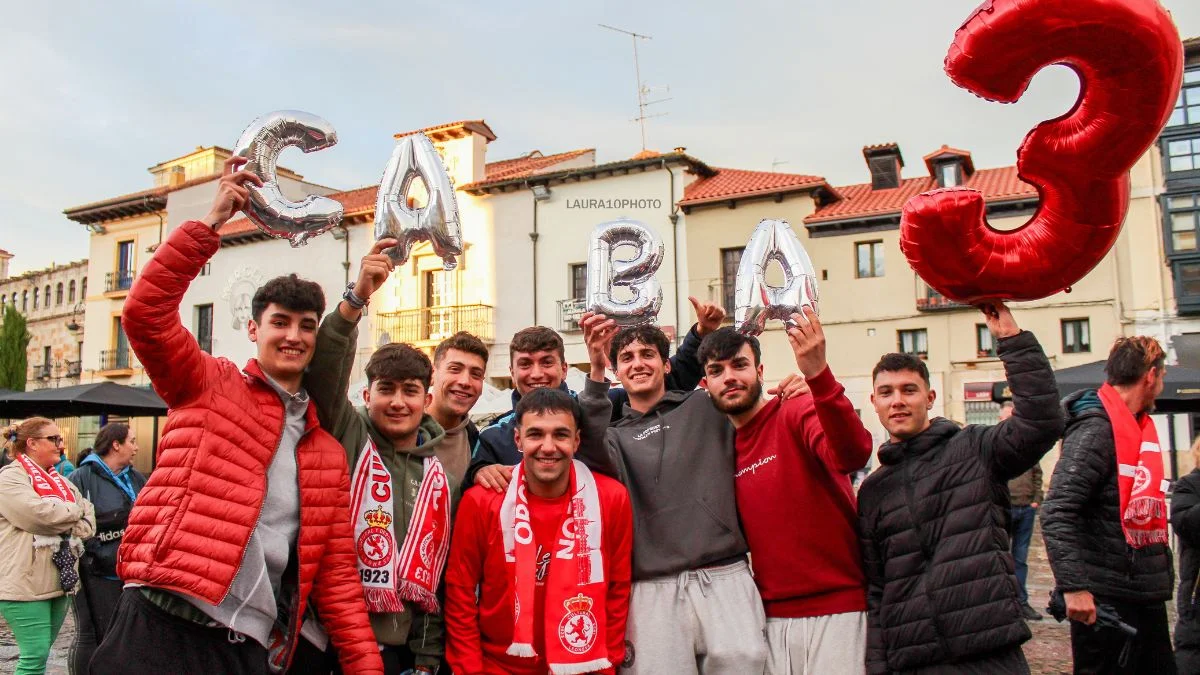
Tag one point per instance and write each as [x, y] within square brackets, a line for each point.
[57, 440]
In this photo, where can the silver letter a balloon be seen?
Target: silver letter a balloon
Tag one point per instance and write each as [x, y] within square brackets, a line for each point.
[261, 144]
[754, 300]
[604, 274]
[415, 157]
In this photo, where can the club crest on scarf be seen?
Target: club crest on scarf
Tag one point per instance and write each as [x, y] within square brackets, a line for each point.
[578, 628]
[375, 543]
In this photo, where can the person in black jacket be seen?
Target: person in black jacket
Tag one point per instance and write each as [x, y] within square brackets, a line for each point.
[107, 479]
[1185, 518]
[1082, 524]
[942, 593]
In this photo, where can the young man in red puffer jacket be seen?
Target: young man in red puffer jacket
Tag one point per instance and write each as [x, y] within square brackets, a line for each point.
[246, 517]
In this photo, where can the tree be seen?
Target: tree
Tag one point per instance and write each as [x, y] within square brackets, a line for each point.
[14, 338]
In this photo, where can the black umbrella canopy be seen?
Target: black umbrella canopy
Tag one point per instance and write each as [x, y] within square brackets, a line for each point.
[1181, 386]
[98, 398]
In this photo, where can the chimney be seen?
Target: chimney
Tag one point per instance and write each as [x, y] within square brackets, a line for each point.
[884, 162]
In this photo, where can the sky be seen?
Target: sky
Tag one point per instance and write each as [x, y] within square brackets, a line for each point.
[95, 93]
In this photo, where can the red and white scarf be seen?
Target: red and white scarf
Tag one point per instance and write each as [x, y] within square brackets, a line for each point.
[575, 620]
[47, 483]
[414, 574]
[1140, 472]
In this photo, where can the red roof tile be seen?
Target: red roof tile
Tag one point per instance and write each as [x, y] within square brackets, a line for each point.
[738, 184]
[534, 162]
[647, 154]
[453, 129]
[355, 202]
[947, 151]
[858, 201]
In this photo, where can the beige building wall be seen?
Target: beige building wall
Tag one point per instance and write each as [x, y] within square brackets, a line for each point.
[55, 322]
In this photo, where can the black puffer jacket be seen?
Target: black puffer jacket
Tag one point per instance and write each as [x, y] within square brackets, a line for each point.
[112, 515]
[1081, 520]
[1185, 518]
[941, 583]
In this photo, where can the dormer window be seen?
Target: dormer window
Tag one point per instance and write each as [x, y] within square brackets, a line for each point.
[949, 167]
[884, 162]
[949, 174]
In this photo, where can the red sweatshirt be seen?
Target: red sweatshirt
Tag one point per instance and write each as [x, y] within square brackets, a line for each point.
[479, 633]
[796, 504]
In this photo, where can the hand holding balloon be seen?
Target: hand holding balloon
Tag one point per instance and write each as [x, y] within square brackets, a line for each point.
[709, 316]
[598, 334]
[604, 274]
[232, 193]
[807, 339]
[999, 319]
[756, 300]
[373, 273]
[437, 222]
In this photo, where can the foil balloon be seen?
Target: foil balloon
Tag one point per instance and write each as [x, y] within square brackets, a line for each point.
[1129, 61]
[436, 222]
[261, 144]
[755, 301]
[605, 273]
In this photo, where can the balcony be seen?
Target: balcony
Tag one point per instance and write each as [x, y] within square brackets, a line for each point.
[929, 300]
[116, 282]
[115, 359]
[74, 368]
[569, 312]
[41, 371]
[433, 324]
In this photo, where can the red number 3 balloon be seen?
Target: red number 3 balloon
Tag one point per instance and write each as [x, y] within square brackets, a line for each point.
[1129, 59]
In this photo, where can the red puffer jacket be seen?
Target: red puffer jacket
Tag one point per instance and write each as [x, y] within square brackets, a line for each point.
[192, 521]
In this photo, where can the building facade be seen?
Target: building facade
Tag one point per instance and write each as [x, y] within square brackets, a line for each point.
[51, 300]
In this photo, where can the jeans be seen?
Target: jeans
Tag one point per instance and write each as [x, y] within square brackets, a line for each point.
[1022, 533]
[1098, 651]
[34, 624]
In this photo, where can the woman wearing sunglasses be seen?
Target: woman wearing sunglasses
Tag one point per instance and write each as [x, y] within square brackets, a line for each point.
[43, 519]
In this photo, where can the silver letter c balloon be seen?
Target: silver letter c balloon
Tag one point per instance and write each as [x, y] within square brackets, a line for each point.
[261, 144]
[755, 301]
[604, 274]
[437, 221]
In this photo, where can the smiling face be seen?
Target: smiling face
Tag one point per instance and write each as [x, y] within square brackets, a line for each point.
[734, 384]
[641, 369]
[396, 407]
[534, 370]
[547, 441]
[457, 384]
[285, 340]
[45, 447]
[902, 400]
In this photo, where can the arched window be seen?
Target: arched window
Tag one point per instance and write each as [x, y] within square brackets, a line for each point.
[58, 294]
[3, 301]
[25, 301]
[46, 297]
[83, 289]
[71, 291]
[35, 297]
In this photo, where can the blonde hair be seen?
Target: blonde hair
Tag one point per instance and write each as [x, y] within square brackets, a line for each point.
[16, 436]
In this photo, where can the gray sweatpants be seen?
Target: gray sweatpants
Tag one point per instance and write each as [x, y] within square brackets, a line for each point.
[703, 622]
[835, 643]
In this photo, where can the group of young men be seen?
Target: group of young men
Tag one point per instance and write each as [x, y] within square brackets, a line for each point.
[657, 527]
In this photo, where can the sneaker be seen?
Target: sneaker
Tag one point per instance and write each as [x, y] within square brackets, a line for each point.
[1030, 613]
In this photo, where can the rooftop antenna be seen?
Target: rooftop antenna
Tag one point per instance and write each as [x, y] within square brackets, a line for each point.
[642, 89]
[777, 162]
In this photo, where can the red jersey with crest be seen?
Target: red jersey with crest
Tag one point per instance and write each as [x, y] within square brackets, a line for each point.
[798, 510]
[479, 633]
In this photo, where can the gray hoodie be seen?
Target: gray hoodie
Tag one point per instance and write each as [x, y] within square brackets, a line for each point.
[677, 460]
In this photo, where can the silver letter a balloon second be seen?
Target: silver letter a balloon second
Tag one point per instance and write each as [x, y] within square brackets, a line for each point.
[755, 301]
[261, 144]
[605, 273]
[437, 221]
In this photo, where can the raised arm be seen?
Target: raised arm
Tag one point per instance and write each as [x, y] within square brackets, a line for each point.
[594, 449]
[150, 318]
[1013, 446]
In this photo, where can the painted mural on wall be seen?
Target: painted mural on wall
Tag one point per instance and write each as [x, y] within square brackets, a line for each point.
[239, 292]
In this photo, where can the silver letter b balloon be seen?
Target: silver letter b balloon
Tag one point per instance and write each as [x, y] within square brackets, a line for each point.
[604, 274]
[261, 144]
[415, 157]
[755, 301]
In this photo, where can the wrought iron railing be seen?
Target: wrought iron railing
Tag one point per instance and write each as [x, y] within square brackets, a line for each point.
[435, 323]
[929, 300]
[569, 311]
[118, 281]
[114, 359]
[74, 368]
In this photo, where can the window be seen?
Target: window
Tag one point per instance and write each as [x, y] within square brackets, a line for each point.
[35, 298]
[578, 273]
[913, 341]
[1076, 336]
[439, 301]
[731, 260]
[1183, 214]
[985, 345]
[25, 301]
[58, 291]
[1187, 109]
[948, 174]
[885, 172]
[869, 255]
[120, 357]
[1183, 154]
[71, 291]
[124, 265]
[206, 270]
[83, 289]
[203, 325]
[46, 297]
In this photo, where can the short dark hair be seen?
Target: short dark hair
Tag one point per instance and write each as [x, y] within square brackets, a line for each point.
[536, 339]
[109, 434]
[548, 400]
[896, 362]
[723, 343]
[463, 342]
[399, 361]
[290, 292]
[1131, 357]
[651, 336]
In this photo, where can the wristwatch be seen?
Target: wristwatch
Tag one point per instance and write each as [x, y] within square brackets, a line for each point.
[352, 299]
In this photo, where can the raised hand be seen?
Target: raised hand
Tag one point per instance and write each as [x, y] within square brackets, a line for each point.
[598, 332]
[790, 387]
[232, 193]
[708, 316]
[807, 339]
[999, 319]
[374, 270]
